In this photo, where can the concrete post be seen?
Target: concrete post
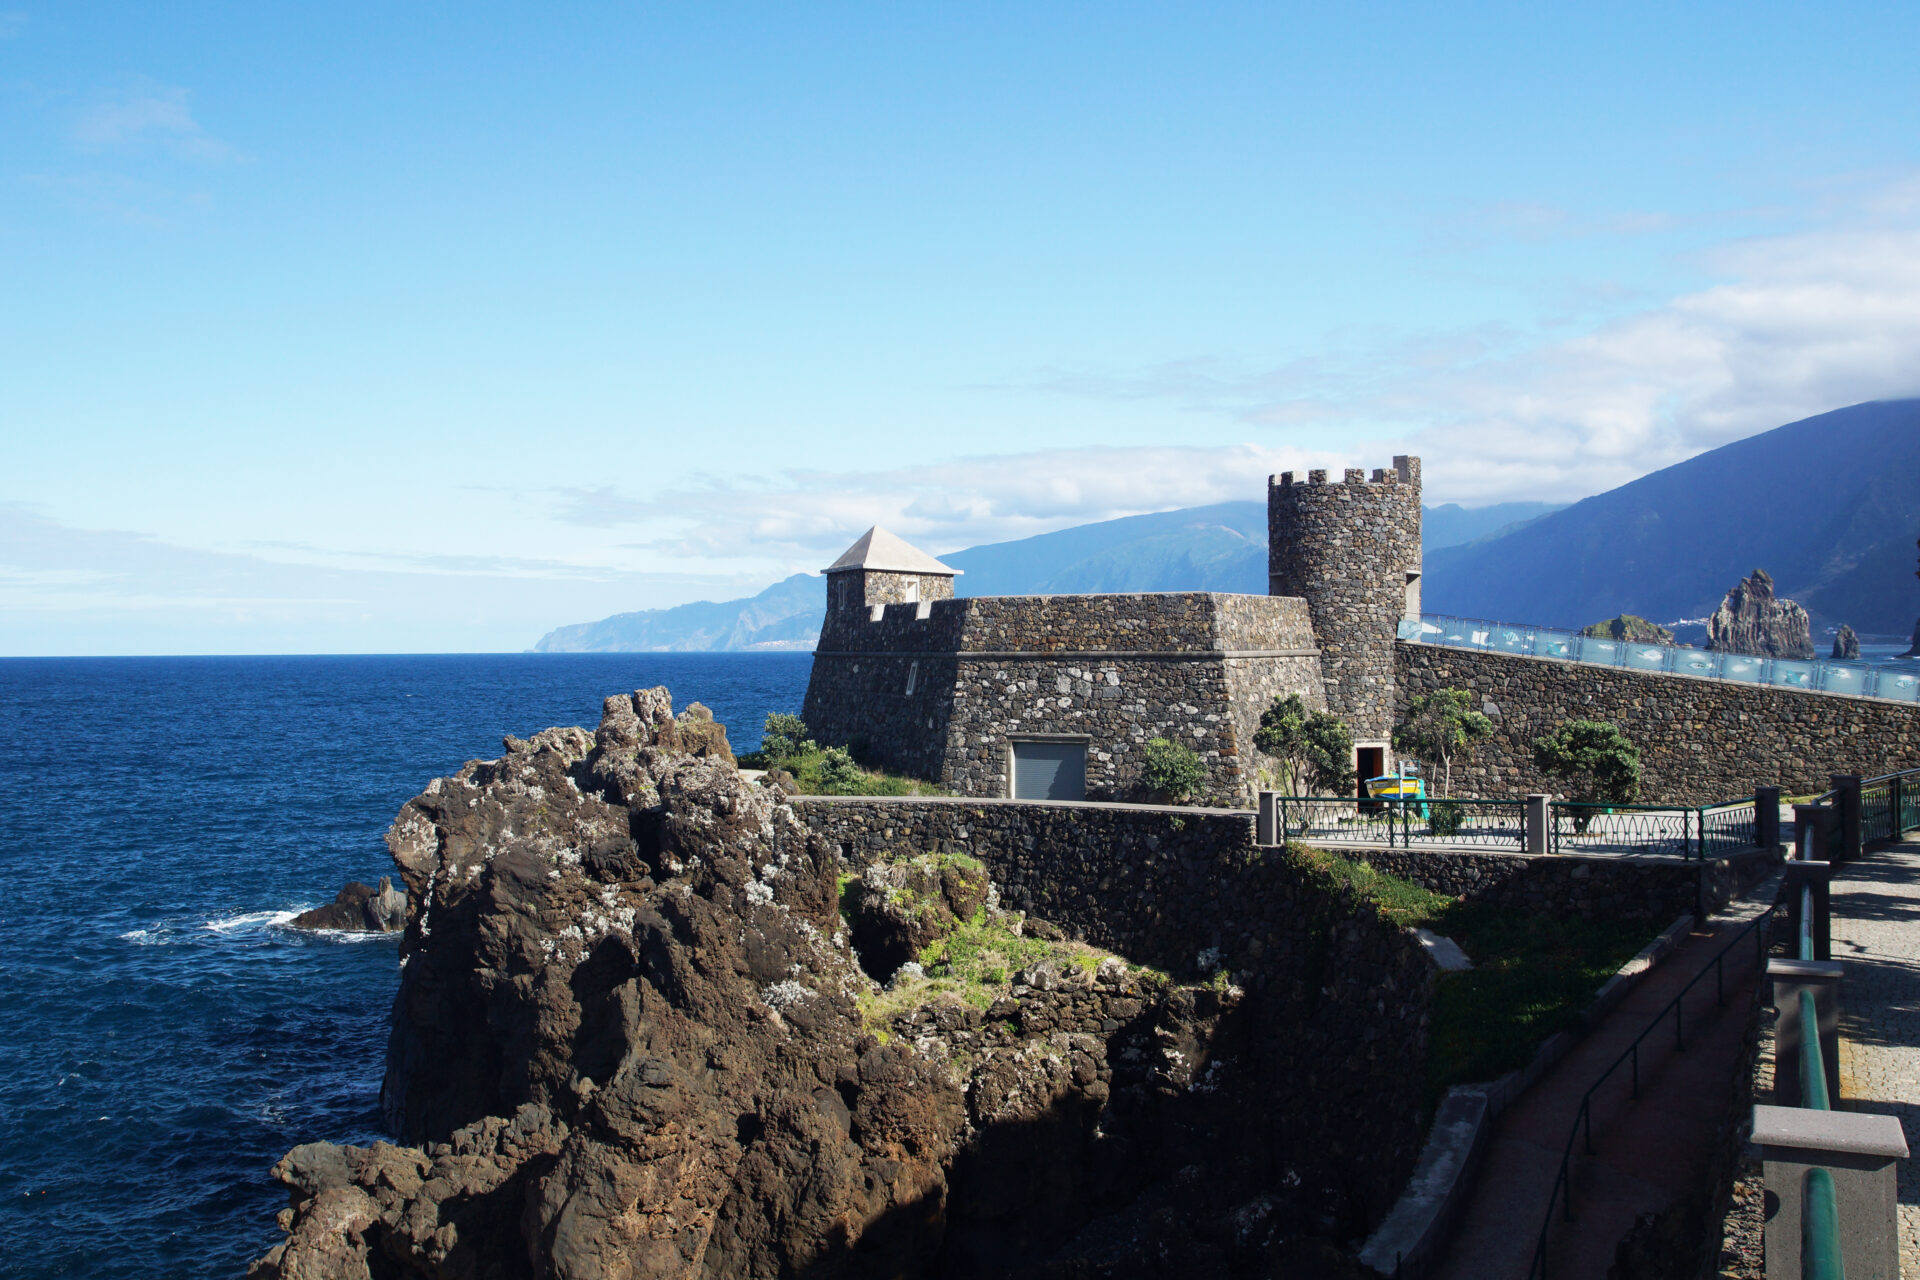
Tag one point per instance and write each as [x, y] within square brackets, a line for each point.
[1537, 823]
[1766, 817]
[1848, 803]
[1819, 877]
[1266, 822]
[1810, 831]
[1789, 978]
[1862, 1152]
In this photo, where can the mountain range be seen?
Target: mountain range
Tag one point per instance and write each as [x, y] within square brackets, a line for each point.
[1829, 505]
[1215, 548]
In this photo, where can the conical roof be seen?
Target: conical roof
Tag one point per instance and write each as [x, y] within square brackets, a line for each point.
[888, 553]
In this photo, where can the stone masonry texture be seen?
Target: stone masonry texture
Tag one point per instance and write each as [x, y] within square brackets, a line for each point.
[1700, 740]
[1347, 549]
[1340, 994]
[1187, 891]
[939, 690]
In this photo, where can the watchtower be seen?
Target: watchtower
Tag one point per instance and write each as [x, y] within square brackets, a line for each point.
[882, 569]
[1352, 551]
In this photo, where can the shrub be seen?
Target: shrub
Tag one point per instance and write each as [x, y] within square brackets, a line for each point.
[1311, 748]
[839, 775]
[1439, 726]
[1599, 763]
[1173, 770]
[784, 736]
[1444, 819]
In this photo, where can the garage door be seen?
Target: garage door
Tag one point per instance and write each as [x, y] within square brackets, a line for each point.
[1050, 771]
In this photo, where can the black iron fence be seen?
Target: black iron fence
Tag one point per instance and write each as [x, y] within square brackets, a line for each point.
[1703, 831]
[1412, 822]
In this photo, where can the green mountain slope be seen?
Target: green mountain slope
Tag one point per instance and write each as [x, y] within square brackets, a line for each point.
[1829, 506]
[1215, 548]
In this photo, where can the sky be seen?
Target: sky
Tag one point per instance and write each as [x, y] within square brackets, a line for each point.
[385, 328]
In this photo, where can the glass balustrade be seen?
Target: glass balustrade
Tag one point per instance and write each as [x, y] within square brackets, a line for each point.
[1898, 682]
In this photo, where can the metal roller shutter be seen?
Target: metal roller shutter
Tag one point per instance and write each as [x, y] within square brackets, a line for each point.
[1049, 770]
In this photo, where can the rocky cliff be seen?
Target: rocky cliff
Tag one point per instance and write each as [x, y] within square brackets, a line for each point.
[1752, 620]
[633, 1038]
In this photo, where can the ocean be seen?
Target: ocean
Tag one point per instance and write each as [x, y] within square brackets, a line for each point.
[164, 1038]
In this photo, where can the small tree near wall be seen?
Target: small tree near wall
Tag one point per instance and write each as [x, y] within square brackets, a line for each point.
[1440, 726]
[1311, 748]
[1173, 771]
[1599, 764]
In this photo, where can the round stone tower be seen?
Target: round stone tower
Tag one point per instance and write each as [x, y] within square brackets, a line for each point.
[1352, 551]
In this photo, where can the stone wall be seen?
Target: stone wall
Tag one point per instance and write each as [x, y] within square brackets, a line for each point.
[1346, 549]
[1337, 999]
[940, 690]
[1700, 740]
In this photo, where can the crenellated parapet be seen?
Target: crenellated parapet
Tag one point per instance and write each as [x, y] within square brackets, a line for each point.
[1351, 550]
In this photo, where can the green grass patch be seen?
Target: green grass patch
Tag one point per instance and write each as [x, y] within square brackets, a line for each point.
[1531, 978]
[1401, 901]
[974, 964]
[817, 772]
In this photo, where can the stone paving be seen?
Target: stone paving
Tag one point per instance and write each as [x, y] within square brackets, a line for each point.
[1876, 932]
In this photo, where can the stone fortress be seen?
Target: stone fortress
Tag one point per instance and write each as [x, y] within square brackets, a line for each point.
[1056, 697]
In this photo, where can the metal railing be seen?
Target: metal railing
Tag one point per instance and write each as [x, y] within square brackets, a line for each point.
[1411, 823]
[1703, 831]
[1894, 682]
[1561, 1196]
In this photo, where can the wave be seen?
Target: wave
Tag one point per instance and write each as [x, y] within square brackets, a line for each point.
[250, 921]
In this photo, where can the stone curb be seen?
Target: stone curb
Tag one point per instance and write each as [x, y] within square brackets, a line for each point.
[1408, 1243]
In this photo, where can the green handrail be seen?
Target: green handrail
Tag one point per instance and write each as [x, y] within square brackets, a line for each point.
[1820, 1229]
[1813, 1068]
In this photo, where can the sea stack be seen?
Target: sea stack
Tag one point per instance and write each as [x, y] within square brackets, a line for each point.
[1751, 620]
[1846, 644]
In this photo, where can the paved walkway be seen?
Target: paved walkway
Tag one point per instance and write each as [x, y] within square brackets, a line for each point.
[1648, 1154]
[1876, 932]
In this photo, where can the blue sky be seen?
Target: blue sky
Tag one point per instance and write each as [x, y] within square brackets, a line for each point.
[382, 328]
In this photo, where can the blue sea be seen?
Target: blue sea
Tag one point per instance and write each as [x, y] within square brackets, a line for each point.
[164, 1038]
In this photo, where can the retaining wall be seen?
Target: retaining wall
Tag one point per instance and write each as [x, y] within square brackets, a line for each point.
[1338, 999]
[1700, 740]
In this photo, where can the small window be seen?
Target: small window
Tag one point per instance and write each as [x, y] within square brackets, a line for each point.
[912, 594]
[913, 675]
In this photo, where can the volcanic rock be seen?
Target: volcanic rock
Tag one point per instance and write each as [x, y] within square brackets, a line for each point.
[359, 908]
[1846, 644]
[1630, 627]
[1752, 621]
[633, 1039]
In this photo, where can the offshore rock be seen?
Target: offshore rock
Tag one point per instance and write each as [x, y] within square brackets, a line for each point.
[1845, 643]
[1913, 645]
[359, 908]
[1752, 621]
[633, 1039]
[1630, 627]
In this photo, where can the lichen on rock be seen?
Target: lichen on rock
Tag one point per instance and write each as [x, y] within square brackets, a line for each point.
[633, 1037]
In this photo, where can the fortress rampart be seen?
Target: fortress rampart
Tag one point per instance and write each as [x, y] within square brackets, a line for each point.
[941, 689]
[1700, 740]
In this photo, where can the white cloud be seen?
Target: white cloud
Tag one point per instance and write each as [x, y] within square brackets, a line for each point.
[144, 114]
[1797, 324]
[802, 516]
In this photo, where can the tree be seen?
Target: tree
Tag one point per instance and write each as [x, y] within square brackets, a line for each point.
[1312, 748]
[1439, 726]
[1599, 763]
[1173, 770]
[784, 735]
